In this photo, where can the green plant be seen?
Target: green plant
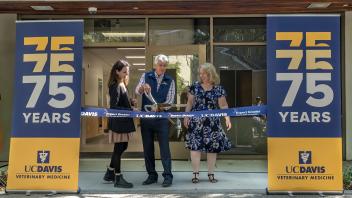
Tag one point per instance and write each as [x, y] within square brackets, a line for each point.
[180, 84]
[3, 181]
[347, 176]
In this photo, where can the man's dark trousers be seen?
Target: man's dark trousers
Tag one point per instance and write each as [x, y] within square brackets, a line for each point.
[150, 128]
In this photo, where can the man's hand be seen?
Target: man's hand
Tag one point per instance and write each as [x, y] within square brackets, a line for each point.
[144, 88]
[134, 102]
[135, 109]
[151, 108]
[163, 107]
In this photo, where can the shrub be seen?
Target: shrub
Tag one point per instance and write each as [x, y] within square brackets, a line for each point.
[347, 177]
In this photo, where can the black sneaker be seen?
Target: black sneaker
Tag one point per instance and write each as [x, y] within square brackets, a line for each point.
[109, 175]
[151, 180]
[120, 182]
[167, 182]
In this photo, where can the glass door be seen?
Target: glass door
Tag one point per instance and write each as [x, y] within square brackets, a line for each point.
[183, 66]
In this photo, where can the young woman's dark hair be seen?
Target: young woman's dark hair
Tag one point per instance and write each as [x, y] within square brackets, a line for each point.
[119, 65]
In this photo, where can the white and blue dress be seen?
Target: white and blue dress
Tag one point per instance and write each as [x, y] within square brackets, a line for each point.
[206, 134]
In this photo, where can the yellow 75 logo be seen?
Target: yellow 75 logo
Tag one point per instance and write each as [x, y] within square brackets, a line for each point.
[296, 55]
[55, 58]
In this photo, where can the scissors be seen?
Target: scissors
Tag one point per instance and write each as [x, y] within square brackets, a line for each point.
[157, 107]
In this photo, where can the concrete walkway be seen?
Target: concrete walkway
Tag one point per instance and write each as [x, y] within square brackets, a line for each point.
[228, 182]
[237, 178]
[233, 175]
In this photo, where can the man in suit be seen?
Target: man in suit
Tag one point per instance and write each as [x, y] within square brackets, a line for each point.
[162, 87]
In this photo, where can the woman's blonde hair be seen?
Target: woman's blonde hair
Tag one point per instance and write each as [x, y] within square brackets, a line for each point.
[211, 71]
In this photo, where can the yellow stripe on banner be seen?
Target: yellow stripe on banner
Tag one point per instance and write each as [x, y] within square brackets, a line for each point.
[305, 164]
[43, 164]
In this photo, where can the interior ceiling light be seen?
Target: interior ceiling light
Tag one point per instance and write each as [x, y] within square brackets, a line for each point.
[317, 5]
[138, 64]
[135, 57]
[42, 8]
[130, 48]
[224, 67]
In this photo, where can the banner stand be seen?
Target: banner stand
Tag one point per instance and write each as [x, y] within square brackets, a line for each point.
[47, 192]
[293, 193]
[45, 138]
[304, 132]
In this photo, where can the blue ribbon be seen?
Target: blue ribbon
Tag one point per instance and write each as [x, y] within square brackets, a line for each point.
[232, 112]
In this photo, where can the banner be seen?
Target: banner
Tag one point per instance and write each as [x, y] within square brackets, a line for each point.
[304, 103]
[44, 148]
[232, 112]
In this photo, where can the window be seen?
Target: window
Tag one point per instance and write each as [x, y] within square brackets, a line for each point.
[125, 32]
[170, 32]
[246, 29]
[240, 58]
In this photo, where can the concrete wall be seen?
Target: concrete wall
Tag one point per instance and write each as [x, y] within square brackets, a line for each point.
[7, 68]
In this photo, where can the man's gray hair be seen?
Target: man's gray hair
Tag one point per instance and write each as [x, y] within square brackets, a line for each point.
[162, 58]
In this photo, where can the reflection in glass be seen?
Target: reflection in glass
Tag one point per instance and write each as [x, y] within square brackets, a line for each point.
[240, 57]
[164, 32]
[245, 29]
[114, 31]
[170, 32]
[248, 135]
[242, 72]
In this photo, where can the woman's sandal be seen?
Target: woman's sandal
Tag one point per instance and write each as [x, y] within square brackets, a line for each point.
[195, 179]
[212, 178]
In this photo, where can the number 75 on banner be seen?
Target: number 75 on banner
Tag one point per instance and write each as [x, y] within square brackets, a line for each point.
[59, 44]
[316, 48]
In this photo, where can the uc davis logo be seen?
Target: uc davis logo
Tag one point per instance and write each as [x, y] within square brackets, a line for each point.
[42, 166]
[305, 161]
[43, 157]
[305, 157]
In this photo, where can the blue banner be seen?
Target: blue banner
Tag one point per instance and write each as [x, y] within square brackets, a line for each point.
[232, 112]
[304, 98]
[45, 142]
[304, 103]
[48, 79]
